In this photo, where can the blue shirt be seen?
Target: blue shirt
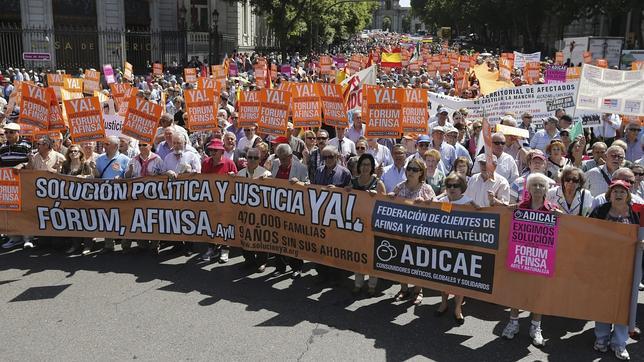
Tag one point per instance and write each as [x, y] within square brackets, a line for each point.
[541, 140]
[109, 170]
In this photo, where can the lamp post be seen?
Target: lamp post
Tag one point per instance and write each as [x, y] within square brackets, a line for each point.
[213, 38]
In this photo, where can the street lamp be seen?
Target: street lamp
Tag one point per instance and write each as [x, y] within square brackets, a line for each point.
[213, 38]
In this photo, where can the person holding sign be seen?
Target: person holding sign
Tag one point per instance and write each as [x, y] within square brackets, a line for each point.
[537, 185]
[75, 165]
[616, 209]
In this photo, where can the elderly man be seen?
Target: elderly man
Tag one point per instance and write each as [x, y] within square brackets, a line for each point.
[166, 121]
[14, 152]
[380, 153]
[622, 174]
[633, 141]
[440, 119]
[230, 141]
[448, 153]
[46, 159]
[506, 166]
[345, 146]
[542, 138]
[526, 123]
[249, 140]
[127, 146]
[451, 137]
[488, 189]
[598, 178]
[315, 160]
[395, 173]
[288, 167]
[599, 157]
[357, 128]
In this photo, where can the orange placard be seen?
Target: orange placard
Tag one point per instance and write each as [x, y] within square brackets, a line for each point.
[588, 57]
[573, 73]
[190, 75]
[273, 71]
[602, 63]
[10, 198]
[532, 72]
[92, 81]
[218, 71]
[157, 69]
[73, 86]
[260, 75]
[34, 106]
[85, 119]
[128, 72]
[333, 106]
[306, 105]
[56, 82]
[273, 112]
[637, 65]
[121, 92]
[248, 106]
[382, 112]
[559, 58]
[453, 60]
[414, 111]
[56, 120]
[444, 67]
[505, 69]
[141, 119]
[326, 63]
[464, 63]
[209, 83]
[201, 108]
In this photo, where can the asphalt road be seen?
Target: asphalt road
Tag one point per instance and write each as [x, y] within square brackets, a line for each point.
[172, 307]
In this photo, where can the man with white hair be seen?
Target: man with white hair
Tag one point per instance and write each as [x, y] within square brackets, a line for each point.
[166, 120]
[181, 160]
[357, 129]
[487, 189]
[598, 178]
[506, 166]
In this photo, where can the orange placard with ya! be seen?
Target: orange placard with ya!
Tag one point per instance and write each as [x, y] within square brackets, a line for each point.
[127, 73]
[56, 82]
[85, 119]
[218, 71]
[248, 106]
[10, 190]
[325, 64]
[92, 81]
[141, 119]
[190, 74]
[335, 111]
[273, 112]
[383, 116]
[34, 106]
[209, 83]
[56, 120]
[201, 109]
[157, 69]
[306, 105]
[414, 110]
[73, 86]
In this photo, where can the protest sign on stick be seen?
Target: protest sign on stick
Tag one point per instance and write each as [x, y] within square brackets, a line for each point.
[141, 119]
[273, 112]
[335, 111]
[34, 106]
[85, 119]
[306, 105]
[201, 109]
[382, 112]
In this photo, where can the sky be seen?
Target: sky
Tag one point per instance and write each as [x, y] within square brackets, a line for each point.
[404, 2]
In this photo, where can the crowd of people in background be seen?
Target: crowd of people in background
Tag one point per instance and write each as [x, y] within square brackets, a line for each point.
[598, 174]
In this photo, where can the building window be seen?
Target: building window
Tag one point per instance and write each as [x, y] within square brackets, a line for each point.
[388, 5]
[199, 15]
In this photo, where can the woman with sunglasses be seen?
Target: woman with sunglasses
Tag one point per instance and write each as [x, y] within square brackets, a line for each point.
[309, 145]
[571, 197]
[575, 154]
[75, 165]
[366, 180]
[455, 186]
[414, 188]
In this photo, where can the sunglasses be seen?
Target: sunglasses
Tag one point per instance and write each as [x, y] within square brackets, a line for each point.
[74, 151]
[423, 145]
[499, 143]
[638, 173]
[328, 157]
[412, 169]
[10, 132]
[452, 186]
[571, 179]
[143, 145]
[254, 158]
[634, 130]
[322, 138]
[361, 148]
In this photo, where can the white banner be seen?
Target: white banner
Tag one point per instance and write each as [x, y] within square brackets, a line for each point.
[521, 58]
[352, 86]
[611, 91]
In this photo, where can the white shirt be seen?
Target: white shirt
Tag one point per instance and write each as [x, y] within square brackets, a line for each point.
[186, 163]
[348, 146]
[506, 166]
[609, 127]
[556, 196]
[244, 143]
[464, 200]
[229, 155]
[258, 172]
[381, 154]
[392, 176]
[596, 181]
[477, 189]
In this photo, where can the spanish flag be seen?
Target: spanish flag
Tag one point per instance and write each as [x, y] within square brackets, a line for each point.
[391, 60]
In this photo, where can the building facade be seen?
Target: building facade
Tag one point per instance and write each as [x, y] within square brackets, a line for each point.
[394, 17]
[89, 33]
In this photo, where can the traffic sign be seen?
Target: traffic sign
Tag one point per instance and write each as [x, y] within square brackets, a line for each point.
[36, 56]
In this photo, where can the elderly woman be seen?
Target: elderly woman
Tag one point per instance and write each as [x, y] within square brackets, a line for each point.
[556, 160]
[414, 188]
[537, 185]
[617, 209]
[433, 176]
[571, 197]
[455, 188]
[366, 180]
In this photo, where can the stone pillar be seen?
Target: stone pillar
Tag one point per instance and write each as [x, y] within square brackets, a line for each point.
[110, 16]
[37, 17]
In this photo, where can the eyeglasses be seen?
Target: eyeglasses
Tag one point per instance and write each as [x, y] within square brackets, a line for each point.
[247, 129]
[143, 145]
[310, 138]
[423, 145]
[74, 151]
[328, 157]
[499, 143]
[634, 129]
[252, 158]
[453, 186]
[412, 169]
[11, 131]
[322, 138]
[571, 179]
[638, 173]
[361, 148]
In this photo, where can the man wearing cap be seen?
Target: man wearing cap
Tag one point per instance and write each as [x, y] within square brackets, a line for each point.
[14, 152]
[488, 189]
[542, 138]
[440, 119]
[451, 137]
[598, 178]
[448, 153]
[506, 166]
[218, 164]
[633, 141]
[422, 145]
[526, 123]
[357, 128]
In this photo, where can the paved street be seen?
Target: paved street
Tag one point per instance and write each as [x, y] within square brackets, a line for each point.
[171, 307]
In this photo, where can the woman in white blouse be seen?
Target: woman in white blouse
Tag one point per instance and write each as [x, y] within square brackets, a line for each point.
[571, 197]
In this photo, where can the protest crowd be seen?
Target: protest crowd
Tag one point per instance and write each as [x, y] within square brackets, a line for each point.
[549, 163]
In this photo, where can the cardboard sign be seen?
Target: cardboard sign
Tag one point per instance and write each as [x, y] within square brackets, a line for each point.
[141, 119]
[414, 111]
[56, 120]
[201, 109]
[248, 107]
[532, 243]
[91, 82]
[335, 111]
[556, 74]
[505, 69]
[56, 82]
[273, 112]
[611, 91]
[382, 112]
[127, 73]
[157, 69]
[532, 72]
[10, 199]
[326, 62]
[260, 75]
[512, 131]
[34, 106]
[190, 75]
[306, 105]
[109, 74]
[73, 86]
[85, 119]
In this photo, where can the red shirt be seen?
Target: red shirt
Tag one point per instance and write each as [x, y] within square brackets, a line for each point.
[283, 172]
[223, 168]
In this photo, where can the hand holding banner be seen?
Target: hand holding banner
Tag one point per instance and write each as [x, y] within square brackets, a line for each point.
[85, 119]
[141, 119]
